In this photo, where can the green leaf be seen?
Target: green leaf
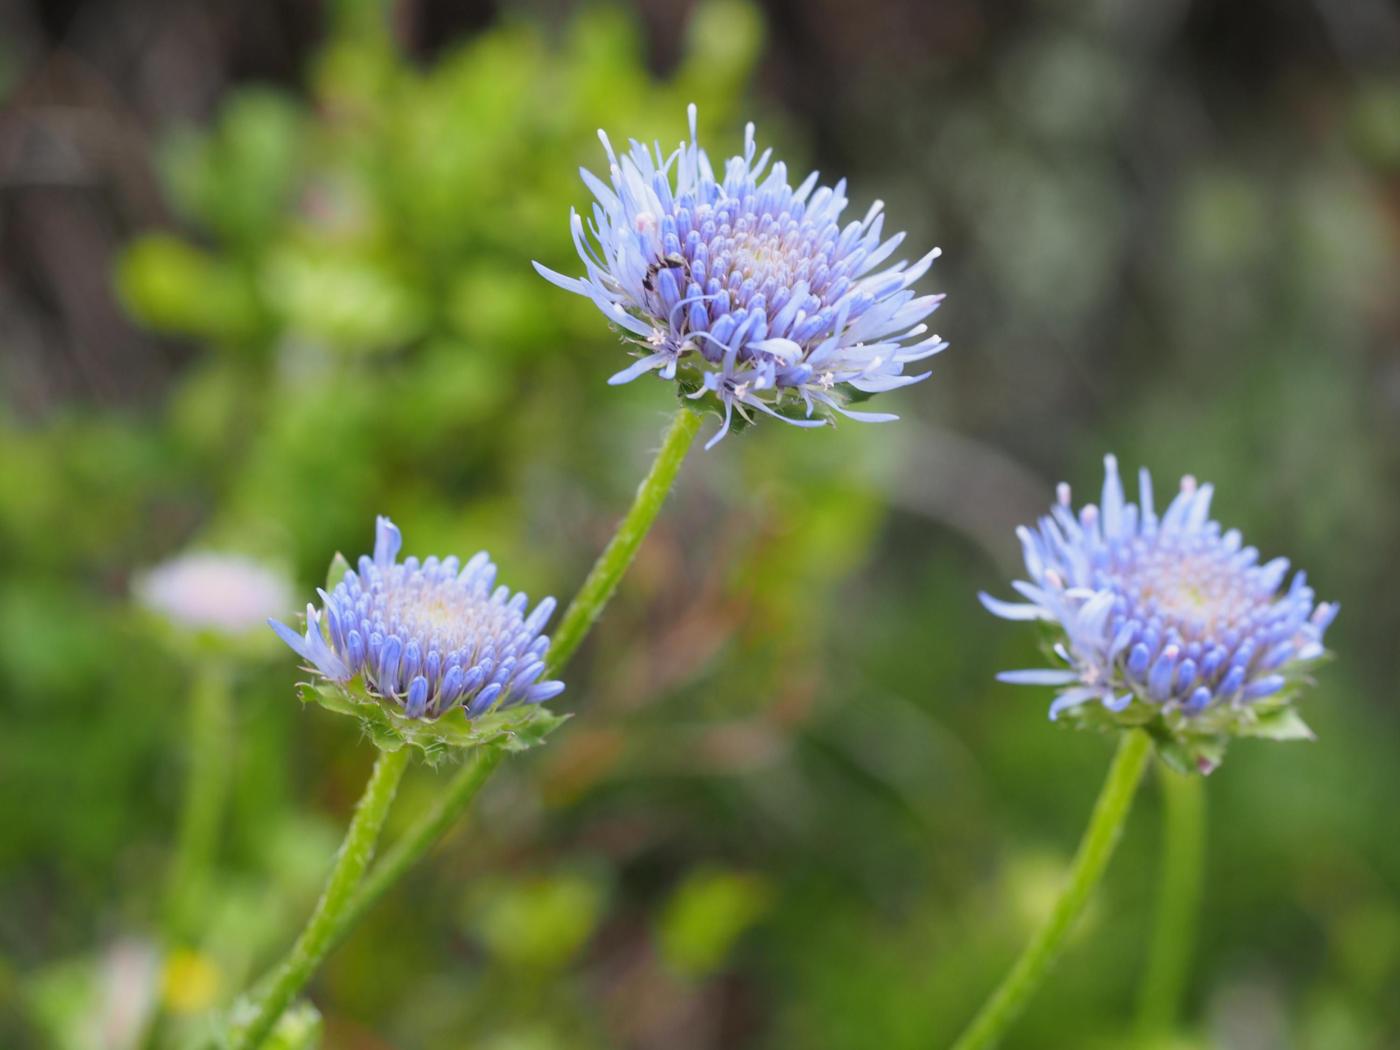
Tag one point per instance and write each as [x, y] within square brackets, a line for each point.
[170, 285]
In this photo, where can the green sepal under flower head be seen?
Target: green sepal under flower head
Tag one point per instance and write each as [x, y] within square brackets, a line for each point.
[513, 728]
[691, 394]
[1196, 743]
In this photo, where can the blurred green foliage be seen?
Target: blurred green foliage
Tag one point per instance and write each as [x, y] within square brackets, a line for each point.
[535, 924]
[793, 810]
[706, 915]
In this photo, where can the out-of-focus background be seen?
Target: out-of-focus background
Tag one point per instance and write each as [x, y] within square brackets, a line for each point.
[264, 272]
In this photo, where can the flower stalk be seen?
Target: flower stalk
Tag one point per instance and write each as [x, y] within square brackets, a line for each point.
[1178, 903]
[422, 835]
[603, 578]
[206, 789]
[1095, 850]
[356, 852]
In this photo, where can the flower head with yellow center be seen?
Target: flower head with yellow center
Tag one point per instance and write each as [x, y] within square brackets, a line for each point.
[747, 290]
[1166, 621]
[427, 638]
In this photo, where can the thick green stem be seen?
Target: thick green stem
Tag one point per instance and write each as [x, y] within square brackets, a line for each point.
[206, 788]
[326, 921]
[430, 826]
[1095, 849]
[1174, 932]
[603, 578]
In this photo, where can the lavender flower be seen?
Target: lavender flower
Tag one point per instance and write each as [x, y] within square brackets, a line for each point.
[1167, 621]
[429, 636]
[746, 288]
[221, 594]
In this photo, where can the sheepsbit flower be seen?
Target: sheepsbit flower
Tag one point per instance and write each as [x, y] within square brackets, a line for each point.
[1167, 621]
[746, 288]
[429, 636]
[222, 594]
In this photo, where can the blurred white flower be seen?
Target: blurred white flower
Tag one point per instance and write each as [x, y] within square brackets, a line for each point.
[228, 594]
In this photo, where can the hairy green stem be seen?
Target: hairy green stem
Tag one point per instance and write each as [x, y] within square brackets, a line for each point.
[1095, 849]
[603, 578]
[1179, 897]
[356, 852]
[430, 826]
[206, 789]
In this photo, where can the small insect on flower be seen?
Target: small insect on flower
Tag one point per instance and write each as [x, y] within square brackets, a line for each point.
[207, 592]
[427, 638]
[1167, 622]
[747, 289]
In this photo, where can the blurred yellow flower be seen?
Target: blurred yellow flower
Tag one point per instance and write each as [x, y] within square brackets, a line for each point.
[190, 982]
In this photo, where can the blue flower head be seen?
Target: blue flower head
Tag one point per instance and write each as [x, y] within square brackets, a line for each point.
[746, 288]
[420, 640]
[1166, 621]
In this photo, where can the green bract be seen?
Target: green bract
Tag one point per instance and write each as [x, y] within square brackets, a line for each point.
[1197, 744]
[515, 728]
